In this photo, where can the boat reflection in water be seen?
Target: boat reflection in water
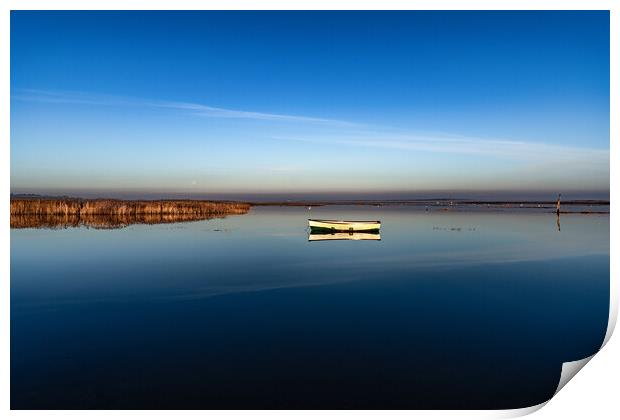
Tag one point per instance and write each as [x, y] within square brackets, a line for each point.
[347, 236]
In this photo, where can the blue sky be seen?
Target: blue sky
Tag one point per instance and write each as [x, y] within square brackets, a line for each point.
[251, 102]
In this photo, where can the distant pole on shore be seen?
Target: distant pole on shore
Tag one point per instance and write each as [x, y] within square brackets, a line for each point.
[557, 206]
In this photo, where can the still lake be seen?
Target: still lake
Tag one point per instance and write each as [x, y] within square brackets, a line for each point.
[448, 310]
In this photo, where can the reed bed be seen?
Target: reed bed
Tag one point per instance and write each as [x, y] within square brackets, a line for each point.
[125, 207]
[106, 214]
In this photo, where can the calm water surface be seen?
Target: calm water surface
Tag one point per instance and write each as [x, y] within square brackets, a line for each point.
[447, 310]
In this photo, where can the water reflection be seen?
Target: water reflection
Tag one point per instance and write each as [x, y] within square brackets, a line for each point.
[347, 236]
[444, 311]
[100, 221]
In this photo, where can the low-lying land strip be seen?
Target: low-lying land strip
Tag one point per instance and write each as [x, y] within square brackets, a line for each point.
[110, 213]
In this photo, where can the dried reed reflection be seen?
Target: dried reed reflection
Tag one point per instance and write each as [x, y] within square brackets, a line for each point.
[99, 221]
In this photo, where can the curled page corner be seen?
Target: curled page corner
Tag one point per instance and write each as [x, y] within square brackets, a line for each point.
[569, 370]
[519, 412]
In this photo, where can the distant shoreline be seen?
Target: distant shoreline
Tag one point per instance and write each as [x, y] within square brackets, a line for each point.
[21, 205]
[437, 202]
[28, 212]
[294, 203]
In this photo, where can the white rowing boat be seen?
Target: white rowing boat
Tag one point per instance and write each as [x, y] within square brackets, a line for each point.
[344, 236]
[344, 225]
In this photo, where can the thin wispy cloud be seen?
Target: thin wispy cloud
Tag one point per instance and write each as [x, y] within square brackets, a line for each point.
[82, 98]
[347, 133]
[209, 111]
[457, 144]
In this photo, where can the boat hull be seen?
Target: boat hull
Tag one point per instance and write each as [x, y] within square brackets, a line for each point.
[344, 226]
